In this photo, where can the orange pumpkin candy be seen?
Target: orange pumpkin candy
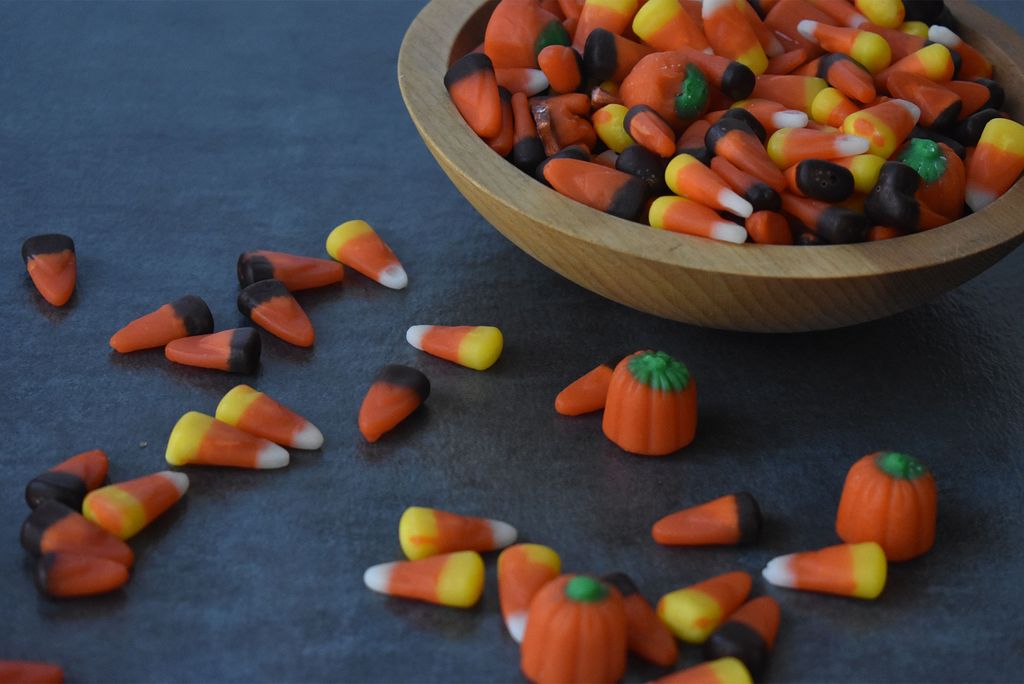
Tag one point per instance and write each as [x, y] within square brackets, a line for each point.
[575, 632]
[652, 404]
[889, 498]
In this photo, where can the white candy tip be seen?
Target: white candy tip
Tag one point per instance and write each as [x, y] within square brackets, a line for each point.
[537, 82]
[414, 335]
[378, 577]
[709, 7]
[849, 145]
[272, 456]
[308, 438]
[179, 480]
[727, 231]
[943, 36]
[807, 27]
[856, 20]
[516, 626]
[777, 572]
[502, 533]
[912, 108]
[789, 118]
[979, 199]
[393, 276]
[735, 204]
[709, 51]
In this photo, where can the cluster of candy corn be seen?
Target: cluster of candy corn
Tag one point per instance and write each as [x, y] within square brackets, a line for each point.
[78, 526]
[775, 121]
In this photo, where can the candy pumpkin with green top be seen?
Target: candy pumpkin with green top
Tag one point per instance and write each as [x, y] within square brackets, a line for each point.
[889, 498]
[575, 632]
[943, 178]
[651, 407]
[667, 83]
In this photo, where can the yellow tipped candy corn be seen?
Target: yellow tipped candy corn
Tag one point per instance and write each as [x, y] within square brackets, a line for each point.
[125, 508]
[198, 439]
[357, 245]
[856, 570]
[476, 347]
[427, 532]
[609, 125]
[453, 579]
[256, 413]
[694, 612]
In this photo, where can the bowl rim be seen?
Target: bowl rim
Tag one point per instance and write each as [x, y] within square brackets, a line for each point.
[420, 74]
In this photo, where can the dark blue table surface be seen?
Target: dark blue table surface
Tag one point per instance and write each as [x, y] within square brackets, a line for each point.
[168, 137]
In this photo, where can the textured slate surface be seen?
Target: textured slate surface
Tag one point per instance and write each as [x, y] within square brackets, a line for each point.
[167, 138]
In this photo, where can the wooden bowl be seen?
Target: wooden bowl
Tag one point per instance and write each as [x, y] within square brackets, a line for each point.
[762, 288]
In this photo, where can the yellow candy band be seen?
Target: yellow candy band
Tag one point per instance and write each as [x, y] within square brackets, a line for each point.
[461, 580]
[187, 435]
[235, 403]
[609, 124]
[417, 532]
[481, 347]
[654, 16]
[345, 232]
[691, 614]
[869, 569]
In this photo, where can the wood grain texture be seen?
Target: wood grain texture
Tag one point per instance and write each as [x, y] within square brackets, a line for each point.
[759, 288]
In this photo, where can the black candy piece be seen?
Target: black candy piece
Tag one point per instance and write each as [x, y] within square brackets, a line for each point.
[637, 160]
[260, 292]
[738, 81]
[527, 154]
[763, 197]
[831, 58]
[53, 485]
[701, 154]
[809, 240]
[839, 226]
[42, 518]
[746, 117]
[996, 94]
[405, 376]
[758, 7]
[969, 130]
[244, 355]
[50, 243]
[738, 640]
[891, 202]
[823, 180]
[929, 134]
[623, 582]
[748, 513]
[600, 58]
[252, 268]
[194, 313]
[571, 152]
[471, 64]
[629, 199]
[923, 10]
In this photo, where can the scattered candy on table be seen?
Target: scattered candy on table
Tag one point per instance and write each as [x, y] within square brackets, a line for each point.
[69, 481]
[256, 413]
[235, 351]
[694, 612]
[184, 317]
[425, 532]
[125, 508]
[889, 498]
[50, 261]
[734, 519]
[198, 439]
[856, 570]
[522, 570]
[396, 392]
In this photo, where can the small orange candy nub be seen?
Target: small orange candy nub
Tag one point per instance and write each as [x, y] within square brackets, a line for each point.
[473, 87]
[562, 67]
[585, 394]
[27, 672]
[66, 575]
[769, 228]
[91, 466]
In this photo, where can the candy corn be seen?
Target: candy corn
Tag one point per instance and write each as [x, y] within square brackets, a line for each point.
[731, 35]
[68, 482]
[474, 90]
[396, 392]
[734, 140]
[452, 579]
[884, 125]
[256, 413]
[66, 575]
[693, 613]
[427, 532]
[934, 62]
[610, 125]
[665, 25]
[646, 634]
[234, 351]
[976, 95]
[610, 57]
[771, 115]
[940, 107]
[868, 49]
[748, 634]
[996, 163]
[831, 107]
[973, 64]
[561, 65]
[856, 570]
[821, 180]
[865, 169]
[527, 149]
[769, 228]
[734, 519]
[735, 79]
[357, 245]
[477, 347]
[296, 272]
[681, 215]
[846, 76]
[612, 15]
[522, 570]
[648, 167]
[760, 196]
[519, 80]
[643, 125]
[50, 261]
[272, 307]
[832, 223]
[791, 91]
[198, 439]
[887, 13]
[125, 508]
[588, 392]
[184, 317]
[26, 672]
[788, 146]
[784, 17]
[604, 189]
[687, 177]
[55, 528]
[721, 671]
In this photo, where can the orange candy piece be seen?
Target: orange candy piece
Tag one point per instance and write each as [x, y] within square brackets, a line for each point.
[731, 35]
[357, 245]
[66, 575]
[50, 261]
[70, 480]
[522, 570]
[271, 306]
[27, 672]
[561, 65]
[186, 316]
[55, 528]
[258, 414]
[769, 228]
[234, 351]
[599, 187]
[734, 519]
[474, 91]
[646, 634]
[125, 508]
[296, 272]
[396, 392]
[588, 392]
[450, 579]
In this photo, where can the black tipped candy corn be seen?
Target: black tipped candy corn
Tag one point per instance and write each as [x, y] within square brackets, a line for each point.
[396, 392]
[579, 152]
[527, 149]
[821, 180]
[835, 225]
[601, 188]
[968, 132]
[50, 261]
[272, 307]
[185, 316]
[68, 482]
[748, 634]
[638, 161]
[892, 201]
[235, 351]
[296, 272]
[749, 119]
[63, 575]
[474, 90]
[608, 57]
[53, 528]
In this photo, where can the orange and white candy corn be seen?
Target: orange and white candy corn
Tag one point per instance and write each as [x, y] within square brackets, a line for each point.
[856, 570]
[357, 245]
[452, 579]
[125, 508]
[427, 532]
[522, 570]
[254, 412]
[198, 439]
[473, 346]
